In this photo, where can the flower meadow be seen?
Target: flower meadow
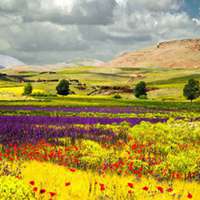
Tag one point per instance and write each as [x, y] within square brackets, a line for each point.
[98, 157]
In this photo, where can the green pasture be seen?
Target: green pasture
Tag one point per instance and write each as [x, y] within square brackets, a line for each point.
[166, 84]
[74, 101]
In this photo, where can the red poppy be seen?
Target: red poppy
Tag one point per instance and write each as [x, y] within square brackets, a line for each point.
[160, 189]
[139, 175]
[189, 196]
[76, 148]
[130, 166]
[134, 146]
[72, 170]
[67, 184]
[141, 169]
[42, 191]
[119, 171]
[102, 187]
[35, 189]
[130, 185]
[139, 151]
[145, 188]
[52, 194]
[169, 190]
[32, 182]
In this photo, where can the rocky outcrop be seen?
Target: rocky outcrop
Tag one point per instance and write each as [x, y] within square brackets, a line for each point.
[193, 44]
[175, 54]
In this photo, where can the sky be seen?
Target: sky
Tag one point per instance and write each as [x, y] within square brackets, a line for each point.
[55, 31]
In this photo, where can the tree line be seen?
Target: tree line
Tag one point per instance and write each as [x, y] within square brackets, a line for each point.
[191, 90]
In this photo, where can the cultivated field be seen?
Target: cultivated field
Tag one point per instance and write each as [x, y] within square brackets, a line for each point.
[92, 145]
[165, 84]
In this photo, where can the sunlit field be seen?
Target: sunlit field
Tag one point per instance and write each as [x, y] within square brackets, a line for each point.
[166, 84]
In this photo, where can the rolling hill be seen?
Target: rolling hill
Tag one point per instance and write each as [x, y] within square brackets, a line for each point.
[174, 54]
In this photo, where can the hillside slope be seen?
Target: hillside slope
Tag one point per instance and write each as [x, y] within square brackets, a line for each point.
[175, 54]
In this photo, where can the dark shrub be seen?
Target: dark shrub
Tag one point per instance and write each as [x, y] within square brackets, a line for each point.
[117, 96]
[141, 90]
[63, 87]
[192, 90]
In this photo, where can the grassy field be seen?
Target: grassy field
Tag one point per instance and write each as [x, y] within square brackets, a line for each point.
[83, 101]
[167, 83]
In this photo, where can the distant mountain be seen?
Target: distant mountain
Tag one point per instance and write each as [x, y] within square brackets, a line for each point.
[9, 62]
[2, 67]
[84, 62]
[175, 54]
[60, 66]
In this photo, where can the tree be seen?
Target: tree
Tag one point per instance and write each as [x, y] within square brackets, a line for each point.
[141, 90]
[63, 87]
[28, 89]
[192, 90]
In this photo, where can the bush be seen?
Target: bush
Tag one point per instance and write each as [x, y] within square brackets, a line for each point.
[117, 96]
[183, 162]
[63, 87]
[41, 94]
[13, 188]
[143, 97]
[28, 89]
[140, 89]
[92, 154]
